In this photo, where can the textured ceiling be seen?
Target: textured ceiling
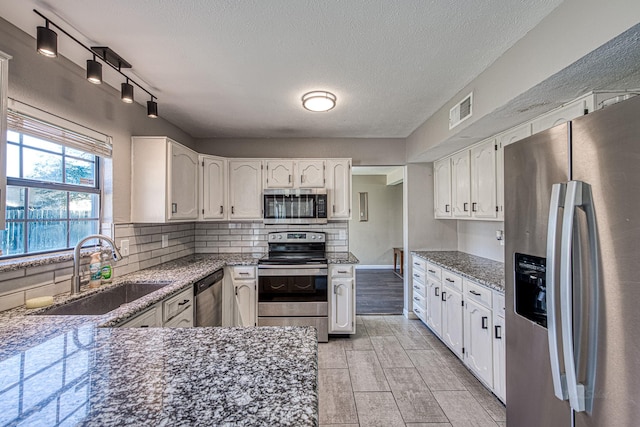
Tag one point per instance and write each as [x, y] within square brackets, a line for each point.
[238, 68]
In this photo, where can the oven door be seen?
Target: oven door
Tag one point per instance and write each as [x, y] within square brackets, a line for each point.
[292, 283]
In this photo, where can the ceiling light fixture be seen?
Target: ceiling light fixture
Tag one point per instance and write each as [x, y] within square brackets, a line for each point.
[47, 45]
[94, 71]
[319, 100]
[152, 108]
[126, 93]
[47, 41]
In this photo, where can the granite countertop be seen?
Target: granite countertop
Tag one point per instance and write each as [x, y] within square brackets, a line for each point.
[482, 270]
[342, 258]
[71, 369]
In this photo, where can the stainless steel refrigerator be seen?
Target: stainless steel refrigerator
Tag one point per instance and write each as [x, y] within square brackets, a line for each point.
[572, 263]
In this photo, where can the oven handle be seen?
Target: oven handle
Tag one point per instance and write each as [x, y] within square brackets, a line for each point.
[291, 271]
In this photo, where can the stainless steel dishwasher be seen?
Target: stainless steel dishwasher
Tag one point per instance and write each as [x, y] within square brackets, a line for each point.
[208, 293]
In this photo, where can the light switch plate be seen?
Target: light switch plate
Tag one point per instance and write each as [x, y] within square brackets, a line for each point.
[124, 247]
[165, 240]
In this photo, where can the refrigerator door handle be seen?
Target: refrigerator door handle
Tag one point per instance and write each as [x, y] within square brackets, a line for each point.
[579, 195]
[558, 377]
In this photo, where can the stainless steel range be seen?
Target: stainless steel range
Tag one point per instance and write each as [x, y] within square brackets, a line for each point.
[292, 282]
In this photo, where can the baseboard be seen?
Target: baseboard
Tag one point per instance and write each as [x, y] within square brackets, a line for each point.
[374, 267]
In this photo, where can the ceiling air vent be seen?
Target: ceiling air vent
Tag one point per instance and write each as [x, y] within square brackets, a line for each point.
[461, 111]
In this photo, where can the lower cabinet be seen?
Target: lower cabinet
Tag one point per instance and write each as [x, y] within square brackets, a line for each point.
[452, 316]
[175, 311]
[244, 297]
[478, 331]
[434, 306]
[499, 348]
[342, 301]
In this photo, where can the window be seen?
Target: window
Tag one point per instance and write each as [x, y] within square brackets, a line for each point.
[53, 192]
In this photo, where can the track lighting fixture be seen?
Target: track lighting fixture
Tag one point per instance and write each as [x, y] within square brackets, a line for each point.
[47, 41]
[126, 93]
[47, 45]
[152, 108]
[94, 71]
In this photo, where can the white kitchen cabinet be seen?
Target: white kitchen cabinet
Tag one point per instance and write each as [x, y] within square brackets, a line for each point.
[213, 188]
[150, 318]
[452, 319]
[182, 320]
[178, 304]
[478, 331]
[502, 140]
[279, 174]
[560, 115]
[311, 173]
[434, 306]
[483, 180]
[164, 181]
[419, 285]
[342, 299]
[245, 301]
[442, 186]
[245, 189]
[339, 188]
[461, 184]
[499, 348]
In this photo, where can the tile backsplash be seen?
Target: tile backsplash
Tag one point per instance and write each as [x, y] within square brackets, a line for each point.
[145, 250]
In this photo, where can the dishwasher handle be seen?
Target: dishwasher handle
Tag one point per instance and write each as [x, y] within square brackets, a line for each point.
[210, 280]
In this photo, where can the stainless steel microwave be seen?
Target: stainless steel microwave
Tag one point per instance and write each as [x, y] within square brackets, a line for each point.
[295, 206]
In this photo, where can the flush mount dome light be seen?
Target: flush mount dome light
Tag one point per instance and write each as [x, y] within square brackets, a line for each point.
[318, 100]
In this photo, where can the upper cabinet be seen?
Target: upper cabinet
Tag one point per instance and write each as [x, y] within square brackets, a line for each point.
[164, 181]
[245, 189]
[442, 188]
[339, 188]
[213, 188]
[284, 173]
[460, 184]
[483, 180]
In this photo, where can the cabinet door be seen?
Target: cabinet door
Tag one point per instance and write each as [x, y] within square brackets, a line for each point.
[245, 189]
[499, 365]
[182, 320]
[434, 307]
[149, 319]
[559, 115]
[442, 188]
[460, 185]
[478, 341]
[213, 193]
[279, 174]
[342, 306]
[183, 182]
[311, 173]
[339, 189]
[513, 135]
[483, 180]
[452, 315]
[245, 303]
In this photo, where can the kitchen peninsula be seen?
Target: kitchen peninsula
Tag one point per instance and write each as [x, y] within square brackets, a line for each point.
[68, 370]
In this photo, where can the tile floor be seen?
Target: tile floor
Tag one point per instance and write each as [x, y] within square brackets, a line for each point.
[395, 372]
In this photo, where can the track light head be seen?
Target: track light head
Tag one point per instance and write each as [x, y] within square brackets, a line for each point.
[47, 41]
[152, 109]
[126, 93]
[94, 71]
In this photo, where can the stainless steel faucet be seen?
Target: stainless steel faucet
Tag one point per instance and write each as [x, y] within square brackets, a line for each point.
[75, 278]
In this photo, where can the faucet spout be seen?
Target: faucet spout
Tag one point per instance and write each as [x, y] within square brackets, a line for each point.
[75, 278]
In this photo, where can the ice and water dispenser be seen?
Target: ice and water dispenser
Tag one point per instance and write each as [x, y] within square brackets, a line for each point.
[531, 288]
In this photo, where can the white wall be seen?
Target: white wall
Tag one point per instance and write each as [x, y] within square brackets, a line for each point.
[479, 238]
[373, 241]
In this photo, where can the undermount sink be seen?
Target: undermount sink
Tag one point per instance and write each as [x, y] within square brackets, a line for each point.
[105, 301]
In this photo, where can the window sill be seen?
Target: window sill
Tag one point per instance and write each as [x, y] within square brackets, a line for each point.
[13, 264]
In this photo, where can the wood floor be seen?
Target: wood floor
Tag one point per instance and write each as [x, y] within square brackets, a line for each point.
[395, 372]
[378, 292]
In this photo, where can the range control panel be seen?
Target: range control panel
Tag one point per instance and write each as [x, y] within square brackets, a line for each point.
[297, 236]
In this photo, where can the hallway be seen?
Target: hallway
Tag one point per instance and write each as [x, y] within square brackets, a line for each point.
[378, 292]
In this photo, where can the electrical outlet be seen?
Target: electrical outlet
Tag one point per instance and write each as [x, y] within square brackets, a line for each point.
[165, 240]
[124, 247]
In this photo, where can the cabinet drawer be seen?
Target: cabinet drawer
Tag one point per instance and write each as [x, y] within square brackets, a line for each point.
[418, 276]
[182, 320]
[419, 264]
[248, 272]
[420, 301]
[477, 293]
[498, 304]
[419, 288]
[176, 304]
[434, 271]
[452, 280]
[148, 319]
[341, 271]
[420, 312]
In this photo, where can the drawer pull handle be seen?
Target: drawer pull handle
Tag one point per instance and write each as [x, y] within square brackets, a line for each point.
[243, 273]
[342, 272]
[432, 271]
[416, 275]
[485, 321]
[446, 208]
[184, 302]
[449, 280]
[280, 286]
[475, 293]
[415, 263]
[464, 207]
[498, 332]
[416, 299]
[144, 326]
[417, 311]
[416, 288]
[437, 291]
[473, 207]
[444, 296]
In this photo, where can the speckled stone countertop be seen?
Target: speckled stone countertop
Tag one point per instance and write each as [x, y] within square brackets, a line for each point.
[70, 370]
[342, 258]
[482, 270]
